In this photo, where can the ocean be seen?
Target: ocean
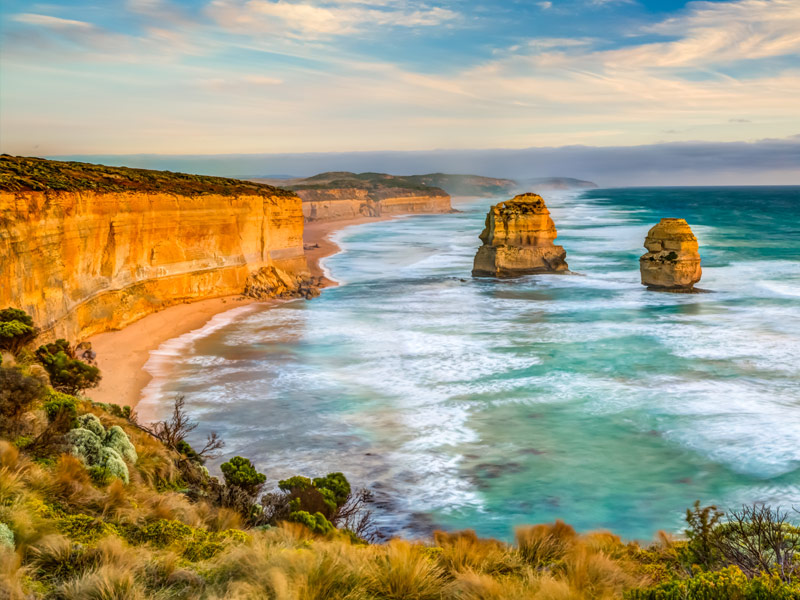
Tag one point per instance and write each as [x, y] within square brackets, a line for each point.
[485, 404]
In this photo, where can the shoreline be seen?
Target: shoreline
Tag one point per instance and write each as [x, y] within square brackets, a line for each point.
[122, 354]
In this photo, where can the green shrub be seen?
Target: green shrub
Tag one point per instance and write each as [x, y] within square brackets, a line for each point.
[184, 448]
[84, 444]
[67, 373]
[324, 494]
[111, 461]
[316, 522]
[93, 424]
[84, 529]
[60, 407]
[6, 536]
[117, 439]
[239, 472]
[336, 485]
[16, 329]
[103, 456]
[123, 412]
[297, 483]
[727, 584]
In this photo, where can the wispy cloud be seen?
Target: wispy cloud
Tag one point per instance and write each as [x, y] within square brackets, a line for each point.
[279, 75]
[329, 19]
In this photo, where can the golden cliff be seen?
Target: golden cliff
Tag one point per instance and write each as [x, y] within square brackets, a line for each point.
[672, 261]
[518, 240]
[339, 195]
[82, 261]
[352, 203]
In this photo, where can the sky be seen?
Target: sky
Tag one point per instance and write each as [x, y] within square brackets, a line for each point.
[297, 76]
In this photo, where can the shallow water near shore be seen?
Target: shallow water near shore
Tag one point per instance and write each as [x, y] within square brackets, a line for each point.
[483, 404]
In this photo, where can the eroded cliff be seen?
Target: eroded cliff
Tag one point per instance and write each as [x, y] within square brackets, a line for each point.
[518, 240]
[351, 203]
[343, 195]
[86, 249]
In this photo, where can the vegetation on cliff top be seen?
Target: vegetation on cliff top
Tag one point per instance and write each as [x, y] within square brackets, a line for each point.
[377, 185]
[23, 174]
[94, 504]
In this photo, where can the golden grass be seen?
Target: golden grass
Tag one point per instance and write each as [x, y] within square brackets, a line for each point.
[51, 507]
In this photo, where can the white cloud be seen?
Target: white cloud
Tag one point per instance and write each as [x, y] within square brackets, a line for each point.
[315, 20]
[51, 22]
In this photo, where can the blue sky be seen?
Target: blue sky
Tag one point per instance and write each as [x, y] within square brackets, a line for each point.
[239, 76]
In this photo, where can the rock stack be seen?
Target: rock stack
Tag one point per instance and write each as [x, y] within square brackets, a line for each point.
[672, 262]
[518, 240]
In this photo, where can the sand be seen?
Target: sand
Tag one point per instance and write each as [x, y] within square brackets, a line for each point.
[121, 355]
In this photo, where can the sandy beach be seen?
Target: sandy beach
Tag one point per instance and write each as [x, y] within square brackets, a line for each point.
[121, 355]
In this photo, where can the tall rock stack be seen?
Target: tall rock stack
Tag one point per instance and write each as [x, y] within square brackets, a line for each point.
[672, 261]
[518, 240]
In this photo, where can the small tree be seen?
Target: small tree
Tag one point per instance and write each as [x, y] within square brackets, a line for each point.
[172, 433]
[759, 539]
[701, 531]
[240, 473]
[67, 373]
[16, 329]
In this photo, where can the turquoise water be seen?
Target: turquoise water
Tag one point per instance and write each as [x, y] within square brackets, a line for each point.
[484, 404]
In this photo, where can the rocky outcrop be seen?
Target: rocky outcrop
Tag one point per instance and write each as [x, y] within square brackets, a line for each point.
[351, 203]
[518, 240]
[672, 261]
[84, 261]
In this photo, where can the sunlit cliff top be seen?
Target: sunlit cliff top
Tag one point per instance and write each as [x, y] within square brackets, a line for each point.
[19, 174]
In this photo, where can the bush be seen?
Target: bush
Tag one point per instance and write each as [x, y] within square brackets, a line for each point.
[62, 408]
[316, 522]
[17, 393]
[240, 473]
[727, 584]
[6, 536]
[67, 373]
[116, 439]
[93, 424]
[85, 529]
[85, 445]
[16, 329]
[113, 464]
[334, 487]
[103, 455]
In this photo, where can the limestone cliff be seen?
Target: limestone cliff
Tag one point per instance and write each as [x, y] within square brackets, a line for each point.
[672, 261]
[351, 203]
[86, 249]
[343, 195]
[518, 240]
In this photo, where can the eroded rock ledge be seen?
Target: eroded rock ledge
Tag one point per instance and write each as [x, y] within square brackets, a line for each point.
[672, 261]
[86, 248]
[518, 240]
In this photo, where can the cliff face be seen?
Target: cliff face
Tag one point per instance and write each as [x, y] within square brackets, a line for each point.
[672, 261]
[83, 262]
[350, 203]
[518, 240]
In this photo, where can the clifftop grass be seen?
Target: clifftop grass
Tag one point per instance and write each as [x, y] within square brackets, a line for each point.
[374, 183]
[24, 174]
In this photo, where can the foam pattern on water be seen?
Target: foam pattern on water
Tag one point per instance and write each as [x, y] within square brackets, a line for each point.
[486, 403]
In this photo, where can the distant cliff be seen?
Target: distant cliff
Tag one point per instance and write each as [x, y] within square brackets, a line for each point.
[557, 183]
[86, 248]
[343, 195]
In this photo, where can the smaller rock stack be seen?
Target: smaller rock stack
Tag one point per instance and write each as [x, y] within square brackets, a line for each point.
[518, 240]
[672, 262]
